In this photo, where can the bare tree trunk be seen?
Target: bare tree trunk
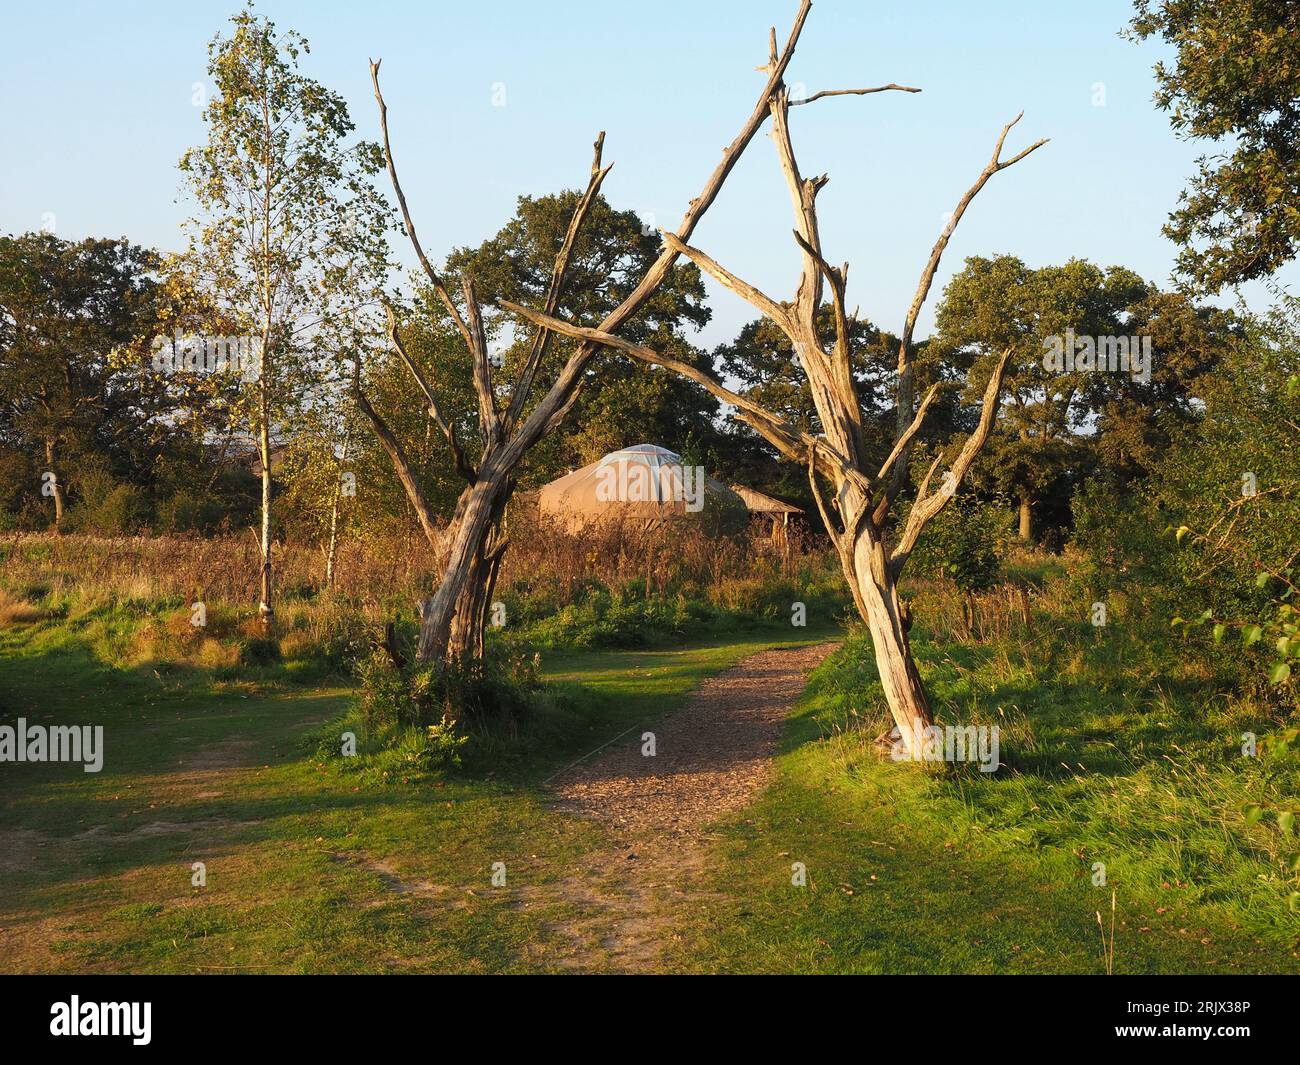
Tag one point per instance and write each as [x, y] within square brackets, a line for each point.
[449, 630]
[873, 581]
[904, 692]
[465, 639]
[331, 554]
[1026, 518]
[264, 608]
[56, 487]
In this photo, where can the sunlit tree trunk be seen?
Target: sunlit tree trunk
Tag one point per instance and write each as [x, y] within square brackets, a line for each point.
[56, 485]
[873, 548]
[331, 553]
[265, 609]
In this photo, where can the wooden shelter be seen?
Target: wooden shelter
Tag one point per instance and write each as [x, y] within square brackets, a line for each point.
[776, 510]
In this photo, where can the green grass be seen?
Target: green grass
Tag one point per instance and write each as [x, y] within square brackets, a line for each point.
[916, 871]
[309, 867]
[1114, 752]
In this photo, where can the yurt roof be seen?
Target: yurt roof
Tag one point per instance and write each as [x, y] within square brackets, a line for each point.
[577, 492]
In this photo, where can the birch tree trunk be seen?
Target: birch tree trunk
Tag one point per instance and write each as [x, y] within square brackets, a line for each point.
[331, 553]
[265, 609]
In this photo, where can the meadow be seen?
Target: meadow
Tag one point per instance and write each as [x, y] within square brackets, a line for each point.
[1113, 751]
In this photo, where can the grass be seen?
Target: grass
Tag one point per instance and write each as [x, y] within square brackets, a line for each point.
[912, 871]
[1117, 751]
[309, 867]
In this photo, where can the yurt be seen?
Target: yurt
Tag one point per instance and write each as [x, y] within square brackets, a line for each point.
[645, 484]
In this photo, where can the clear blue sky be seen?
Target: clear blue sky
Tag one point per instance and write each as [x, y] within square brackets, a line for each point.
[98, 109]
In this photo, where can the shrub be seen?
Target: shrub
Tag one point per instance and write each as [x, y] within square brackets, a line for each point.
[258, 651]
[121, 510]
[965, 544]
[428, 749]
[421, 695]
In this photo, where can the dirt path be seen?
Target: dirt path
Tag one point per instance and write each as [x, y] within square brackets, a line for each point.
[710, 758]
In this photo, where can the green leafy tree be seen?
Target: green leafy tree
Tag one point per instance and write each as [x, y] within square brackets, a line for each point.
[1235, 82]
[1229, 480]
[1000, 303]
[290, 235]
[1135, 419]
[76, 403]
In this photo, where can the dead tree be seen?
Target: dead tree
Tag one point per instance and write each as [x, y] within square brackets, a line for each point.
[872, 548]
[452, 619]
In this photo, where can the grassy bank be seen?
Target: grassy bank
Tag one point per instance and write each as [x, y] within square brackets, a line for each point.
[955, 871]
[1116, 748]
[311, 866]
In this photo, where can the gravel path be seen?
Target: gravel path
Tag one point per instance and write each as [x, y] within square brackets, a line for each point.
[711, 757]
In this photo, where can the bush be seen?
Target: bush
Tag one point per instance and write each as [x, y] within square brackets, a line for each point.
[419, 695]
[965, 544]
[120, 511]
[430, 749]
[258, 651]
[390, 697]
[389, 755]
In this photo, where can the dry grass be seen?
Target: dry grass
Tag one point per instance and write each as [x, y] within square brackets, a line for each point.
[378, 574]
[17, 611]
[673, 557]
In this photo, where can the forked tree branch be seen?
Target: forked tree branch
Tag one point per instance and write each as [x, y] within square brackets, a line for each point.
[905, 388]
[803, 197]
[994, 166]
[830, 378]
[542, 337]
